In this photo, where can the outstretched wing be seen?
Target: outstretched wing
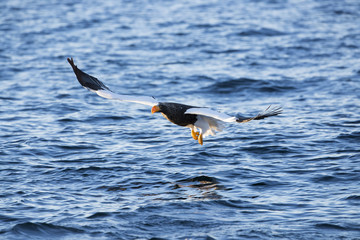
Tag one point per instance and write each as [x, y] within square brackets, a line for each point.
[93, 84]
[227, 118]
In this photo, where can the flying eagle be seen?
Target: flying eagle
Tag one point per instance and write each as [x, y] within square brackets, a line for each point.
[202, 121]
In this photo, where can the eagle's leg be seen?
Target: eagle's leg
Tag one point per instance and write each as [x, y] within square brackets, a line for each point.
[194, 134]
[200, 139]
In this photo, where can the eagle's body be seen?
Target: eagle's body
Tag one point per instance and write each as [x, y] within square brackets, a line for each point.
[175, 113]
[201, 121]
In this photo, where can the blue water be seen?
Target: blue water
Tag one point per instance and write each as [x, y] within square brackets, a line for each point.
[77, 166]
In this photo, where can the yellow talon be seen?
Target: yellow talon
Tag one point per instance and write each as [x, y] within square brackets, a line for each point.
[195, 135]
[200, 139]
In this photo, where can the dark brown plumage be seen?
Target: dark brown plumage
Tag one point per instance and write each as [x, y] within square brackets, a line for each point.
[175, 113]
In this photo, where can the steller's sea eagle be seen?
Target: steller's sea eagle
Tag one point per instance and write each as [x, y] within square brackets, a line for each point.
[206, 120]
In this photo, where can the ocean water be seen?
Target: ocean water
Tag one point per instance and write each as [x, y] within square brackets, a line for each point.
[77, 166]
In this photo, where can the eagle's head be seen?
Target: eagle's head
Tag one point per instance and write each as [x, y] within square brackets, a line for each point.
[155, 109]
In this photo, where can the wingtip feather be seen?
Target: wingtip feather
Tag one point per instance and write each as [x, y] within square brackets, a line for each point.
[269, 112]
[71, 62]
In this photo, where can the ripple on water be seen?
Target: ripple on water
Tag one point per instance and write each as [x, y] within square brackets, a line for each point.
[256, 85]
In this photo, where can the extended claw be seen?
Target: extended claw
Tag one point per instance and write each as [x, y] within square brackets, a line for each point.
[194, 134]
[200, 139]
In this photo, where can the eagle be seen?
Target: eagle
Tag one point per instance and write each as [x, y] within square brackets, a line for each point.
[202, 121]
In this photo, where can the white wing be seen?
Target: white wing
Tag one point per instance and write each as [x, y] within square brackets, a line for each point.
[127, 98]
[269, 112]
[93, 84]
[211, 113]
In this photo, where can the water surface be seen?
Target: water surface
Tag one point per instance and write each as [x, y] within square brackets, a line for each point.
[77, 166]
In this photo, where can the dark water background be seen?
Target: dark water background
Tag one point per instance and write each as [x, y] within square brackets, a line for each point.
[77, 166]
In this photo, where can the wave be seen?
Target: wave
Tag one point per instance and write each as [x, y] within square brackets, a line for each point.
[44, 230]
[353, 198]
[226, 51]
[329, 226]
[354, 136]
[260, 32]
[337, 226]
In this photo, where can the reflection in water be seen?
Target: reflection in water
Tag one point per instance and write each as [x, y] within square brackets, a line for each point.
[206, 186]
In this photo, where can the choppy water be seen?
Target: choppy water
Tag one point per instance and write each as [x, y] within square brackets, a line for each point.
[76, 166]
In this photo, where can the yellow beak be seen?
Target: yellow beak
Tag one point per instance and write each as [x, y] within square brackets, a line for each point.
[155, 109]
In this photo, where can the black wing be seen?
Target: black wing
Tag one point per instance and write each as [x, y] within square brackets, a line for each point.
[86, 80]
